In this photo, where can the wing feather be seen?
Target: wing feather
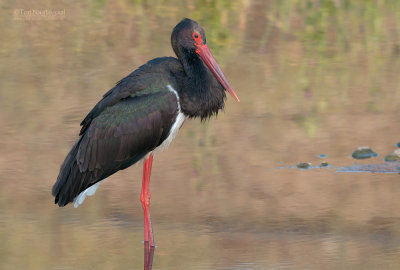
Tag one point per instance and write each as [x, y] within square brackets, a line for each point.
[117, 138]
[130, 120]
[137, 83]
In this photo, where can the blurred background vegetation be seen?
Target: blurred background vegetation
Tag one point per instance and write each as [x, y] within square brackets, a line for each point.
[314, 77]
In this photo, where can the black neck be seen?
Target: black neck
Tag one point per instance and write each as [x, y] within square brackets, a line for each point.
[201, 95]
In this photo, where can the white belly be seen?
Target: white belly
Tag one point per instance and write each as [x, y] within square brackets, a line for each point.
[180, 118]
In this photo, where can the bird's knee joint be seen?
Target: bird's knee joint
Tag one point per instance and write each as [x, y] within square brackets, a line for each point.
[145, 200]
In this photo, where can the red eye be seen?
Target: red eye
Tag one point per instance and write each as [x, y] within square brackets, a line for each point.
[197, 38]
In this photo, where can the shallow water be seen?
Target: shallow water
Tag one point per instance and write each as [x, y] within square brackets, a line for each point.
[314, 78]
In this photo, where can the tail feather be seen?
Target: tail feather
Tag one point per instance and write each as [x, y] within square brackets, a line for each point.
[69, 182]
[87, 192]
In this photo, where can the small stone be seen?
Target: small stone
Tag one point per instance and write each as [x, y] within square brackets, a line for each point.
[398, 144]
[363, 152]
[324, 164]
[303, 165]
[395, 156]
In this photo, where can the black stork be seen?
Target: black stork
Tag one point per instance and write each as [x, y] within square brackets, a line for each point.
[142, 114]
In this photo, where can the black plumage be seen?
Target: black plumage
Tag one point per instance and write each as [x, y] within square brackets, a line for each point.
[131, 120]
[136, 116]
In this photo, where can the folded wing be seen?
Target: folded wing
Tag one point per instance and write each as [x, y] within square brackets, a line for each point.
[115, 138]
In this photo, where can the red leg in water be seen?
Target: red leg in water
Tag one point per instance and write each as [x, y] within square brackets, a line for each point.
[148, 256]
[145, 199]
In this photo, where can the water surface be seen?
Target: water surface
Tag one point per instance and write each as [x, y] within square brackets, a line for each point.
[313, 77]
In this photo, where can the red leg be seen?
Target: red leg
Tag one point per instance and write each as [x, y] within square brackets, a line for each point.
[148, 256]
[145, 199]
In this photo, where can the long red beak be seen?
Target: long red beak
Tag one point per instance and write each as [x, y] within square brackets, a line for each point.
[204, 52]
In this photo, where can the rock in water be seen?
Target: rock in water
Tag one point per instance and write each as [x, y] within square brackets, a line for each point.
[395, 156]
[303, 165]
[363, 152]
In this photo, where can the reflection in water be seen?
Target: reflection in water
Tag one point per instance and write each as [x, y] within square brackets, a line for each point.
[315, 77]
[387, 167]
[148, 256]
